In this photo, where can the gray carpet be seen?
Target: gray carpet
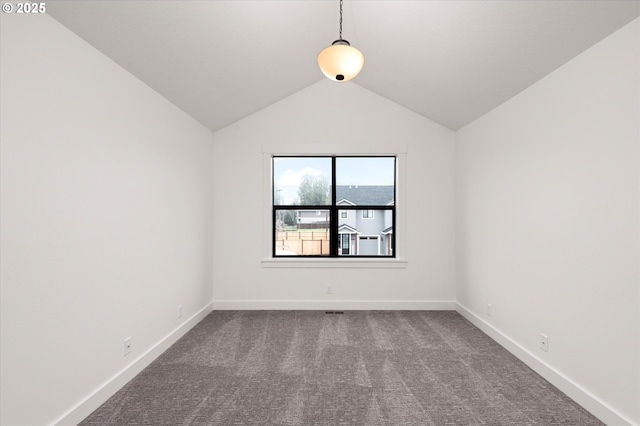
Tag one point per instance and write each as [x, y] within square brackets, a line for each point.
[357, 368]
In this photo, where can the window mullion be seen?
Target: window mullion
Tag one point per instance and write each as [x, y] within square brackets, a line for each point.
[333, 222]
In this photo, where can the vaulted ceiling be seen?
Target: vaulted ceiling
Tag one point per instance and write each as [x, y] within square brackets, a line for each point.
[450, 61]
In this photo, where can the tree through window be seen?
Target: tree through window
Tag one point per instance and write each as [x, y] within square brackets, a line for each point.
[334, 206]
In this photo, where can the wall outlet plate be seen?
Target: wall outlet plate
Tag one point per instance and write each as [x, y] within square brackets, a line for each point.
[544, 343]
[127, 346]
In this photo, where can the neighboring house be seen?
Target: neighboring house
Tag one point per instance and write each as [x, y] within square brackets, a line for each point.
[318, 217]
[362, 231]
[365, 231]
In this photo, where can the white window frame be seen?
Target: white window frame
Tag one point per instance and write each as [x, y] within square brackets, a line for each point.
[320, 149]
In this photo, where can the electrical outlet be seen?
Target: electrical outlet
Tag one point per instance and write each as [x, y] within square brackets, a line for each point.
[544, 343]
[489, 310]
[179, 311]
[127, 346]
[329, 289]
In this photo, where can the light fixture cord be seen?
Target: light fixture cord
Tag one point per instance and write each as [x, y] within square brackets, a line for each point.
[340, 19]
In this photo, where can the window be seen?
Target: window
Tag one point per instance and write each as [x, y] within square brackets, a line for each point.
[312, 197]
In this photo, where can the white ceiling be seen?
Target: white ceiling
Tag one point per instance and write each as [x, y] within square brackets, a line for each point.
[450, 61]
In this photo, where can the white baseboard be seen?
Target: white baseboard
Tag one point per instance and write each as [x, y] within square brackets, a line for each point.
[108, 389]
[595, 406]
[343, 305]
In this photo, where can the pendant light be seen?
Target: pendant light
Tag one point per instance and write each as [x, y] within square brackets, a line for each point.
[340, 61]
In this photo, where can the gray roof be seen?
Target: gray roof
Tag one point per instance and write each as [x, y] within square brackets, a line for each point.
[365, 195]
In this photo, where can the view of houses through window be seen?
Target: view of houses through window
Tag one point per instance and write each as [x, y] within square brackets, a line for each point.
[334, 206]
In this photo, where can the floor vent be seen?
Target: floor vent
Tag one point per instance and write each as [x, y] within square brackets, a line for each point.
[334, 312]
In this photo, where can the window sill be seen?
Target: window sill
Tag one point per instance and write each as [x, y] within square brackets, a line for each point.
[334, 263]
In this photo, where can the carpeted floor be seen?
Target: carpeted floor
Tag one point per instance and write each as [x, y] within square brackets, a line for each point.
[357, 368]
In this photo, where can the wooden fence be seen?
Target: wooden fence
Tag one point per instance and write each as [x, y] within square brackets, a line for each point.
[307, 243]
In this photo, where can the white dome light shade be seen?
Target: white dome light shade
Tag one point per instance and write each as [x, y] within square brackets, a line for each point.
[340, 61]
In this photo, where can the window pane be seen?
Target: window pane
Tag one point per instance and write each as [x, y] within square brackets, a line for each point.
[302, 181]
[368, 181]
[352, 205]
[303, 232]
[366, 233]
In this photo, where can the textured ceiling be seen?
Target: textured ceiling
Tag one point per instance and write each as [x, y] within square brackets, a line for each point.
[450, 61]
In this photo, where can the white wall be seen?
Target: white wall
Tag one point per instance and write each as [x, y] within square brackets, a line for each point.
[105, 221]
[329, 116]
[548, 224]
